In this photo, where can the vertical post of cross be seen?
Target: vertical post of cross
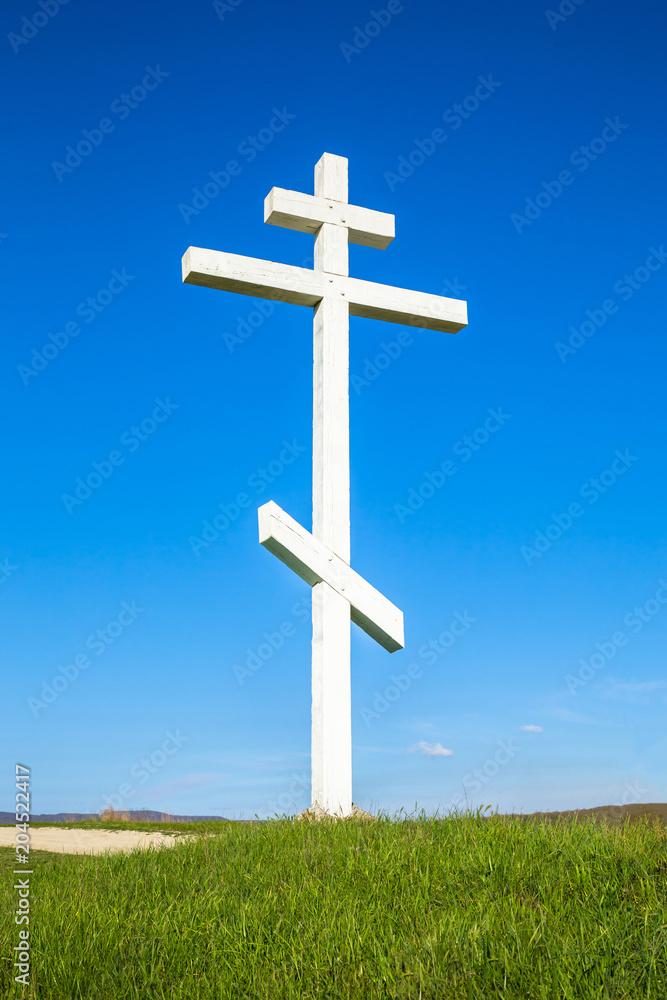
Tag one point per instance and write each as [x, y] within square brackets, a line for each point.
[331, 709]
[322, 557]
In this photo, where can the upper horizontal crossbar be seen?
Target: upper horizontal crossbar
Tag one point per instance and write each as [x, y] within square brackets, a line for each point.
[306, 213]
[302, 286]
[314, 562]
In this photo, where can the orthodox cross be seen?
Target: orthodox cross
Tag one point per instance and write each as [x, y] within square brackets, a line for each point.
[322, 557]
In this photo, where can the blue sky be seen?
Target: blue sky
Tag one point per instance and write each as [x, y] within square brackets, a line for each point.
[522, 155]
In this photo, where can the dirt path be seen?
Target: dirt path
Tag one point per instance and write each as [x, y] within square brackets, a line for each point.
[52, 838]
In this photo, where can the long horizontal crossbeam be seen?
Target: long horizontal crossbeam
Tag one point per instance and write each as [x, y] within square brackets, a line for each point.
[315, 563]
[305, 214]
[301, 286]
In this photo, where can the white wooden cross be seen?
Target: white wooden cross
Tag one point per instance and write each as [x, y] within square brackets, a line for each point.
[322, 558]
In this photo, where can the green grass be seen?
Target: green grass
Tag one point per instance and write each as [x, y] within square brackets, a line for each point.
[432, 909]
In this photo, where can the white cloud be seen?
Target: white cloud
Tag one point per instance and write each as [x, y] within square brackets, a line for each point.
[431, 749]
[532, 729]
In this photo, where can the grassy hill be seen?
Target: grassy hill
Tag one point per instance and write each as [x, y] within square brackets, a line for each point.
[418, 908]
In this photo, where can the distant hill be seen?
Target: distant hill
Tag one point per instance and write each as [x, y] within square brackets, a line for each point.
[139, 815]
[613, 814]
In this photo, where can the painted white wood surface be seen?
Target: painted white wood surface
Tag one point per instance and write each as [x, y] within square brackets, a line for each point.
[331, 732]
[322, 558]
[305, 214]
[301, 286]
[315, 562]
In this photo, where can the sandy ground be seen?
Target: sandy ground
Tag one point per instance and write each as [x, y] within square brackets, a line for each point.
[53, 838]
